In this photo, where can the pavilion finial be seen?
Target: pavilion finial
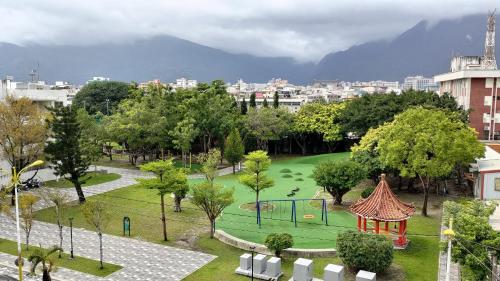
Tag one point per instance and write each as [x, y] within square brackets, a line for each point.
[382, 177]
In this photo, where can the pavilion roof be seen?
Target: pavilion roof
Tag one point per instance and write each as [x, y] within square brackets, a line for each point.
[383, 205]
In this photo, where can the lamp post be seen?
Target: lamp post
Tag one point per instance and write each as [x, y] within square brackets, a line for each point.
[107, 106]
[450, 234]
[252, 249]
[71, 235]
[16, 177]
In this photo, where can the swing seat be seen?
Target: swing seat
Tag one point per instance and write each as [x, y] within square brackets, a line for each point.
[309, 216]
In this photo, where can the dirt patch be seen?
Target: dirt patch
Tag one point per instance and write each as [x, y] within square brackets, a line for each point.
[263, 206]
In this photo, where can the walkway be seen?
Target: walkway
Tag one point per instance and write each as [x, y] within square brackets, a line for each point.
[455, 268]
[140, 260]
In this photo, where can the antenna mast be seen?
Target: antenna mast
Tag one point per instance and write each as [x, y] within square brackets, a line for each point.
[489, 61]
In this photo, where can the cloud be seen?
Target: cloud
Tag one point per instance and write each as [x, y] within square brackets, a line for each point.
[303, 29]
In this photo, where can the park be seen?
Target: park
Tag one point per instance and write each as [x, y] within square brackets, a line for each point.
[179, 185]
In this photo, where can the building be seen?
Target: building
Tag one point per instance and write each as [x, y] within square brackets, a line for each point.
[486, 173]
[98, 78]
[185, 83]
[420, 83]
[474, 82]
[44, 95]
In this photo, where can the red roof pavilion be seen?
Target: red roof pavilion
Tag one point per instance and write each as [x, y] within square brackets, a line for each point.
[383, 206]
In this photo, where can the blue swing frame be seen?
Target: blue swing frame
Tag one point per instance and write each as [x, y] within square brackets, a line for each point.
[324, 209]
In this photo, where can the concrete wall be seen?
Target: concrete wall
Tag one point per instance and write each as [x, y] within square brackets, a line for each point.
[259, 248]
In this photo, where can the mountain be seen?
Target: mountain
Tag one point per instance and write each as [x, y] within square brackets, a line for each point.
[423, 49]
[165, 58]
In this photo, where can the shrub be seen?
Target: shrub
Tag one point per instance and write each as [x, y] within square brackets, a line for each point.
[278, 242]
[285, 171]
[299, 179]
[298, 174]
[367, 192]
[287, 176]
[362, 251]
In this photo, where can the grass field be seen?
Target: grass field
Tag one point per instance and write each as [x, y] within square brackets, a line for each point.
[78, 263]
[121, 161]
[92, 178]
[417, 262]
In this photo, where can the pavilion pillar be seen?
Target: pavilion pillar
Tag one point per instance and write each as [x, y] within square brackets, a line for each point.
[377, 227]
[359, 223]
[400, 233]
[386, 228]
[364, 224]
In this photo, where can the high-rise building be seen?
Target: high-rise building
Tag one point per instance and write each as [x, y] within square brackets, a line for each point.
[474, 81]
[419, 83]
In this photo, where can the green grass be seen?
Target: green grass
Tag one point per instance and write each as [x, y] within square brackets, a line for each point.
[92, 178]
[299, 179]
[78, 263]
[287, 176]
[121, 161]
[298, 174]
[418, 261]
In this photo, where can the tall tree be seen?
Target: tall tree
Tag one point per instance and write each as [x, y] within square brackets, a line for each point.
[101, 96]
[234, 149]
[212, 198]
[254, 177]
[264, 103]
[427, 143]
[267, 124]
[69, 151]
[276, 102]
[243, 107]
[253, 104]
[338, 177]
[169, 179]
[22, 131]
[96, 213]
[59, 199]
[183, 135]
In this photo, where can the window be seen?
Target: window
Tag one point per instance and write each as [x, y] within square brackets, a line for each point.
[497, 184]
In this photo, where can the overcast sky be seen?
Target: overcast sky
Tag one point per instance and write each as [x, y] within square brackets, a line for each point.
[303, 29]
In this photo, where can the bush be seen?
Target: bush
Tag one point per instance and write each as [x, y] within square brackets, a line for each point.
[285, 171]
[299, 179]
[362, 251]
[287, 176]
[298, 174]
[367, 192]
[278, 242]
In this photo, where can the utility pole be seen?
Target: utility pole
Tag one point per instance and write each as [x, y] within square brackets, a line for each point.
[450, 234]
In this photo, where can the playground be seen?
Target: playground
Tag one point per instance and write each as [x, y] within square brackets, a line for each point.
[286, 207]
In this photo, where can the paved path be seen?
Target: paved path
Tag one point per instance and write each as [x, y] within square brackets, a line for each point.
[455, 268]
[140, 260]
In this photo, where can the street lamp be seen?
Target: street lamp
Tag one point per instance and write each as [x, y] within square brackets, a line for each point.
[449, 233]
[71, 235]
[252, 249]
[15, 180]
[107, 106]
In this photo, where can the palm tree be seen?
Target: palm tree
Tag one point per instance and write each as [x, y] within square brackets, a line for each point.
[44, 257]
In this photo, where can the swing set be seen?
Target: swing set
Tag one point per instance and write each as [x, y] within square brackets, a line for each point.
[268, 206]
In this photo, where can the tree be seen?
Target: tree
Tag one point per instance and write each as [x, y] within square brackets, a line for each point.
[370, 111]
[278, 242]
[212, 198]
[365, 153]
[264, 103]
[253, 104]
[254, 177]
[59, 199]
[362, 251]
[243, 107]
[69, 152]
[276, 102]
[96, 213]
[209, 163]
[321, 119]
[427, 143]
[234, 149]
[101, 96]
[26, 214]
[22, 132]
[169, 179]
[474, 238]
[338, 177]
[45, 257]
[183, 135]
[267, 124]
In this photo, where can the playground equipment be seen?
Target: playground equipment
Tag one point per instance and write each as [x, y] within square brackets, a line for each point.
[293, 215]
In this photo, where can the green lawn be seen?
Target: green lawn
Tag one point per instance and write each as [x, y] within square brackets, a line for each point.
[121, 161]
[92, 178]
[78, 263]
[417, 262]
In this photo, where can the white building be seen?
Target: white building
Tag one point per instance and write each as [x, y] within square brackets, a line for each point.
[185, 83]
[98, 78]
[487, 169]
[420, 83]
[39, 92]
